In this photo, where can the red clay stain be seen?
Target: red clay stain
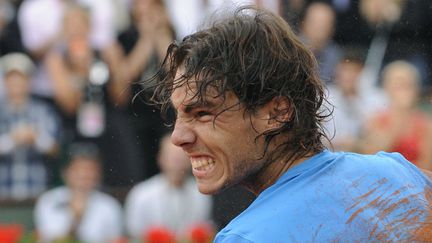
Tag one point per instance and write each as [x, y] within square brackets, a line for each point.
[366, 195]
[414, 224]
[357, 181]
[423, 233]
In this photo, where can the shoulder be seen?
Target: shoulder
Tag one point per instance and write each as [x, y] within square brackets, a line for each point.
[383, 175]
[55, 196]
[148, 184]
[332, 194]
[385, 190]
[104, 200]
[392, 166]
[60, 191]
[145, 188]
[380, 161]
[105, 205]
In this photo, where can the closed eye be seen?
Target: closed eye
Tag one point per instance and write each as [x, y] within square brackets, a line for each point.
[202, 113]
[204, 116]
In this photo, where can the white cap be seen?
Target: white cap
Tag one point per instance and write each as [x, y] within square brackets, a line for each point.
[17, 62]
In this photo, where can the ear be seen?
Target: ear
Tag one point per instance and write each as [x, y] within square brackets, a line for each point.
[279, 111]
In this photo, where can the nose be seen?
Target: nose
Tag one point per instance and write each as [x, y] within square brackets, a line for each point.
[182, 135]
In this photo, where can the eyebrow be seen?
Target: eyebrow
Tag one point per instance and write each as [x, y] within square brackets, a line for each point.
[205, 104]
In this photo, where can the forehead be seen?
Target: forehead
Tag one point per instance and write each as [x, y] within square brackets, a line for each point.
[182, 95]
[400, 75]
[14, 74]
[83, 162]
[186, 92]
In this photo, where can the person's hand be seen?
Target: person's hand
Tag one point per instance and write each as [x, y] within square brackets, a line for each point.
[78, 204]
[392, 13]
[80, 54]
[24, 135]
[153, 22]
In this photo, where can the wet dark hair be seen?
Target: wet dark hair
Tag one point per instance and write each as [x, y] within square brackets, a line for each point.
[257, 56]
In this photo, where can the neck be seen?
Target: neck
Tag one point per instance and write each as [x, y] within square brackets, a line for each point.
[83, 193]
[269, 174]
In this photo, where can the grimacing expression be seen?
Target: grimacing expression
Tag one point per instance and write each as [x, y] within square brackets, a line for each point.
[219, 138]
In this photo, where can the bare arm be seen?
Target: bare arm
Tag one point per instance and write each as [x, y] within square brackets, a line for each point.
[163, 36]
[66, 95]
[155, 36]
[139, 58]
[118, 87]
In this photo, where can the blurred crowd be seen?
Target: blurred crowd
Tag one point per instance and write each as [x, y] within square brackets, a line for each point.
[73, 115]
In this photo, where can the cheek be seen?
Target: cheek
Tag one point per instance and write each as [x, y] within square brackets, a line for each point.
[239, 154]
[404, 96]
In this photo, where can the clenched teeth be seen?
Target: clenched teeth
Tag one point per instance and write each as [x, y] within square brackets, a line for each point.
[202, 164]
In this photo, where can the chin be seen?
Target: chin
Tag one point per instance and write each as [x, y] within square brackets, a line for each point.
[213, 189]
[208, 190]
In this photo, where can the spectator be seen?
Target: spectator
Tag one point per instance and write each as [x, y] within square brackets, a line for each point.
[147, 39]
[145, 43]
[391, 30]
[88, 90]
[402, 127]
[72, 59]
[41, 24]
[29, 131]
[78, 211]
[169, 199]
[317, 31]
[354, 102]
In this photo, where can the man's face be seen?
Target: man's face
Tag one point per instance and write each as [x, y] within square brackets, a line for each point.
[83, 175]
[318, 25]
[222, 148]
[401, 87]
[17, 87]
[347, 76]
